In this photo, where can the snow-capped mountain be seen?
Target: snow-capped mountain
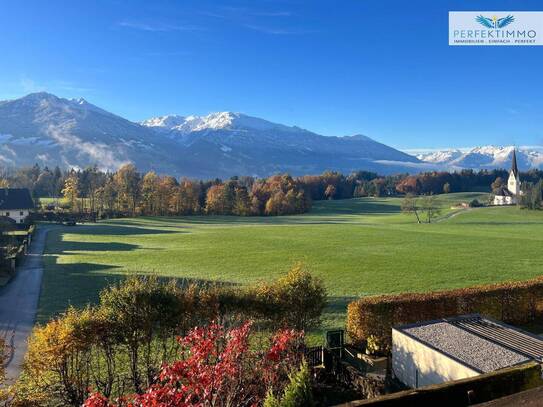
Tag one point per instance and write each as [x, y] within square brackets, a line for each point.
[440, 157]
[177, 126]
[486, 157]
[43, 128]
[255, 146]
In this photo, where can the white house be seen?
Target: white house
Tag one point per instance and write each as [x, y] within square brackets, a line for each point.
[439, 351]
[15, 204]
[509, 195]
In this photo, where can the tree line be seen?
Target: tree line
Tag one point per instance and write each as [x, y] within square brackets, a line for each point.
[130, 192]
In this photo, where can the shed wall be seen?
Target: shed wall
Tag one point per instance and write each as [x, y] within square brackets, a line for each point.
[416, 364]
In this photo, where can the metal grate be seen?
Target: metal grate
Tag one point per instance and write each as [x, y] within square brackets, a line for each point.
[507, 337]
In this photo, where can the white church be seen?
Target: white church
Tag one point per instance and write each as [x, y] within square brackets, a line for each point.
[509, 195]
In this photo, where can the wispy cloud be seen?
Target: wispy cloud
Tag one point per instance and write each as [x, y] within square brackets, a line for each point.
[273, 22]
[277, 30]
[97, 152]
[156, 26]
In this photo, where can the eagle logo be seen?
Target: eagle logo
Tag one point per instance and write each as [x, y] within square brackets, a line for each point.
[495, 22]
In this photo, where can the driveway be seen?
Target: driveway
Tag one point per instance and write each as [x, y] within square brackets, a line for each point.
[19, 303]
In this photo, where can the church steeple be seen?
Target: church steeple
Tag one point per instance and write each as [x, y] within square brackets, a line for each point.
[513, 183]
[514, 168]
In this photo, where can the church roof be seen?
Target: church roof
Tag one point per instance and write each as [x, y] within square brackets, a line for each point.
[514, 167]
[503, 192]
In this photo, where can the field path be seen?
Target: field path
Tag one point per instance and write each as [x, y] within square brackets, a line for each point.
[453, 214]
[18, 305]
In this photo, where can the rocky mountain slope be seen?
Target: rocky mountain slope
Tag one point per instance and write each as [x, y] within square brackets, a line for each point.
[43, 128]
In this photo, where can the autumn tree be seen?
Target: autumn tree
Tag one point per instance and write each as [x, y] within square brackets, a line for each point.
[70, 192]
[107, 196]
[497, 184]
[149, 193]
[242, 205]
[330, 192]
[214, 200]
[127, 181]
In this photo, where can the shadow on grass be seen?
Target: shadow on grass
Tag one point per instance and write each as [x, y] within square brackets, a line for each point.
[305, 219]
[113, 229]
[355, 207]
[79, 284]
[68, 247]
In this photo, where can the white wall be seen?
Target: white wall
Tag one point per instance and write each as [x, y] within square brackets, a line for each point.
[16, 215]
[417, 365]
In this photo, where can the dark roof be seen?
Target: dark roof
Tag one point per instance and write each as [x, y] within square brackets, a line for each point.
[7, 220]
[514, 167]
[503, 192]
[15, 198]
[512, 338]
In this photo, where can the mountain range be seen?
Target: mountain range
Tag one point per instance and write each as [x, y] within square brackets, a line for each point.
[487, 157]
[49, 130]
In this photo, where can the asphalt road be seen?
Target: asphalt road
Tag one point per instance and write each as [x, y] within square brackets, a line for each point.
[18, 305]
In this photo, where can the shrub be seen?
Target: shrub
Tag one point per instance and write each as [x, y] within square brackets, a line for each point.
[514, 302]
[218, 367]
[374, 346]
[119, 346]
[146, 315]
[57, 361]
[295, 300]
[298, 393]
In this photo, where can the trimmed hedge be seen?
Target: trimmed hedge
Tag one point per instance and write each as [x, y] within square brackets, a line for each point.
[513, 302]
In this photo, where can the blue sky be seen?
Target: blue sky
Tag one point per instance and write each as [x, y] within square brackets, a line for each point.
[376, 67]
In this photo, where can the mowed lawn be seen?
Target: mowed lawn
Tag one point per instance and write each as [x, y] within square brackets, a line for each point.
[358, 247]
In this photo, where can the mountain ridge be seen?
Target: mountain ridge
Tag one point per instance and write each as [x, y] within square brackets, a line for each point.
[44, 128]
[74, 133]
[484, 157]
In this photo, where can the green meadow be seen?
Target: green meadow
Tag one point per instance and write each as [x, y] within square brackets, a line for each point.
[358, 247]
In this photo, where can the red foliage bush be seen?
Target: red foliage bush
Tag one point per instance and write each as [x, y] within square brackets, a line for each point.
[217, 367]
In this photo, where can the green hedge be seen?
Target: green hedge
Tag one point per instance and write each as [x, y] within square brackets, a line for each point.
[513, 302]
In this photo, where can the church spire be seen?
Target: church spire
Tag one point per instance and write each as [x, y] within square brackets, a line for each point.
[514, 167]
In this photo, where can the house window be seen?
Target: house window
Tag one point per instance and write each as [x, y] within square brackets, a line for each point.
[21, 213]
[7, 213]
[21, 221]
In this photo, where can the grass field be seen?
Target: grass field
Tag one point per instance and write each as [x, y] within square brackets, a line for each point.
[359, 247]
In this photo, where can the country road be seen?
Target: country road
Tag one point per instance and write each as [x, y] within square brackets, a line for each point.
[18, 305]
